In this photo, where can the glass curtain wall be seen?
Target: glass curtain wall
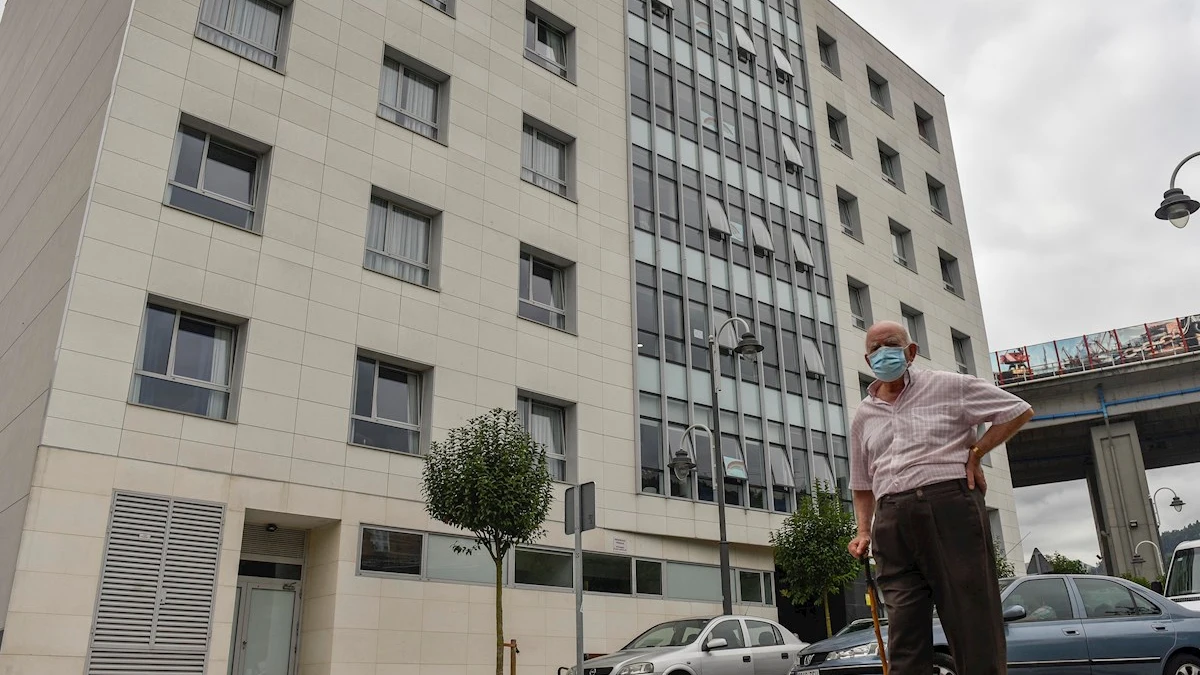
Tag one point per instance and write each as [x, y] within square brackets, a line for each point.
[728, 221]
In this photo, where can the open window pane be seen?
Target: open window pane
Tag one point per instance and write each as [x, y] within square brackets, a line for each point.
[157, 336]
[230, 173]
[219, 183]
[397, 395]
[390, 551]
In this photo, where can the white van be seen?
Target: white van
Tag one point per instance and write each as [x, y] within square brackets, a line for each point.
[1183, 576]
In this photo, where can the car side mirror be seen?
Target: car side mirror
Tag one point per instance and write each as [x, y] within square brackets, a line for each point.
[1015, 613]
[716, 643]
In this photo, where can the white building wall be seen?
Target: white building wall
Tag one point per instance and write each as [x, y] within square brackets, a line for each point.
[870, 260]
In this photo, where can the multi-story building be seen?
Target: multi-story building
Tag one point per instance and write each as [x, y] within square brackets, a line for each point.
[899, 239]
[255, 256]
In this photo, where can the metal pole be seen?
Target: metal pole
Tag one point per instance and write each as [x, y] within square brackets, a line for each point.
[719, 473]
[578, 580]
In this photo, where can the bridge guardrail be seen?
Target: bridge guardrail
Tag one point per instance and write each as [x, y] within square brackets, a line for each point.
[1133, 344]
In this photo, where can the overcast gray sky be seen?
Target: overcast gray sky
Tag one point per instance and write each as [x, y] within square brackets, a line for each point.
[1068, 117]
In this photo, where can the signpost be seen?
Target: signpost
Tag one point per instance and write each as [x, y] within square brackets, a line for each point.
[580, 516]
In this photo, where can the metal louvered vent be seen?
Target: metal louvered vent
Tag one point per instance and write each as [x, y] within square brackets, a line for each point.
[157, 586]
[282, 543]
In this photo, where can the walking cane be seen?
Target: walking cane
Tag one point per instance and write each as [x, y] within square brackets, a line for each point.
[873, 592]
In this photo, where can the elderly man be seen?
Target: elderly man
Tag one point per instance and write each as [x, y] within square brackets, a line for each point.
[914, 470]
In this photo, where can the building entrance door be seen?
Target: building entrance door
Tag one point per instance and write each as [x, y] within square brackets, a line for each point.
[266, 627]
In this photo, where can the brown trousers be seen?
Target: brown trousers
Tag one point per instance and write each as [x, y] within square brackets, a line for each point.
[933, 546]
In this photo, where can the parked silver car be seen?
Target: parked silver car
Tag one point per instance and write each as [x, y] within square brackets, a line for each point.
[725, 645]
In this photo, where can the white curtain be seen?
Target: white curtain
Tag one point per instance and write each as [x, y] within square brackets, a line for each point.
[398, 242]
[389, 86]
[556, 42]
[544, 160]
[546, 426]
[418, 100]
[248, 28]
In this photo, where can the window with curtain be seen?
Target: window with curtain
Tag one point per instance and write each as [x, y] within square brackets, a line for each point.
[937, 196]
[409, 98]
[887, 165]
[545, 44]
[213, 179]
[879, 91]
[542, 292]
[387, 407]
[248, 28]
[398, 242]
[184, 363]
[544, 161]
[782, 479]
[547, 424]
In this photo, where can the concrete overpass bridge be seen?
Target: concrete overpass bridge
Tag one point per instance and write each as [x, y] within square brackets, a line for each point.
[1108, 407]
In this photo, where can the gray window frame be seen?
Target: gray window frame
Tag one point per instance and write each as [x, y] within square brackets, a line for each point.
[889, 158]
[540, 15]
[839, 125]
[282, 38]
[424, 402]
[914, 322]
[433, 251]
[849, 217]
[939, 197]
[569, 458]
[964, 354]
[543, 132]
[563, 267]
[229, 140]
[951, 273]
[861, 319]
[424, 574]
[236, 356]
[879, 90]
[405, 65]
[902, 238]
[926, 126]
[827, 53]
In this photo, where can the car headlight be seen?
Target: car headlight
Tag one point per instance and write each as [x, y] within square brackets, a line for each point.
[636, 669]
[869, 649]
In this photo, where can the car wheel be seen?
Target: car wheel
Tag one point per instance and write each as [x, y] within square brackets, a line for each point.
[1184, 664]
[944, 665]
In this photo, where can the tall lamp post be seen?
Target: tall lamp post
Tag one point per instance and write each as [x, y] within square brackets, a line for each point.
[1176, 503]
[1177, 207]
[682, 463]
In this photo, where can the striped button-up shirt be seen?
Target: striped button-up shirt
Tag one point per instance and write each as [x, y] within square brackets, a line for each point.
[925, 436]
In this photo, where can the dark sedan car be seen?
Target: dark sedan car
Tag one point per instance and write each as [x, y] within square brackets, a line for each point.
[1055, 625]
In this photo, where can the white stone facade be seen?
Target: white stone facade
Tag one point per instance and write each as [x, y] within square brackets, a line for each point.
[92, 96]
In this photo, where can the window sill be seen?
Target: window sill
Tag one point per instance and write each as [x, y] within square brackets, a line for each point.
[943, 216]
[210, 219]
[223, 420]
[887, 111]
[856, 236]
[398, 453]
[553, 70]
[892, 183]
[439, 139]
[567, 196]
[842, 149]
[832, 71]
[546, 325]
[428, 287]
[931, 144]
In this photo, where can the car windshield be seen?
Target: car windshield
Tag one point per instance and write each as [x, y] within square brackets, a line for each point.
[669, 634]
[860, 625]
[1184, 577]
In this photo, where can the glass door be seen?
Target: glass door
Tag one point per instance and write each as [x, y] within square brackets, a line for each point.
[266, 627]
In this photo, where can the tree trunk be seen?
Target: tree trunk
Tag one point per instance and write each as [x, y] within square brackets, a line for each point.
[500, 617]
[828, 623]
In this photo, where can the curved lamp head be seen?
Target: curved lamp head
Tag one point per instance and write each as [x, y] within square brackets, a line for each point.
[1177, 504]
[748, 345]
[1176, 207]
[682, 464]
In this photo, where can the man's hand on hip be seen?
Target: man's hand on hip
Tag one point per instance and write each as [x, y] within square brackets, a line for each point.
[860, 545]
[975, 477]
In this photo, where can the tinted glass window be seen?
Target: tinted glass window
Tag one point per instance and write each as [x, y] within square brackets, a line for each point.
[391, 552]
[1103, 599]
[1043, 600]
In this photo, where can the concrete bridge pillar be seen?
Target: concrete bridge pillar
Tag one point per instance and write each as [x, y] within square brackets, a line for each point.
[1120, 500]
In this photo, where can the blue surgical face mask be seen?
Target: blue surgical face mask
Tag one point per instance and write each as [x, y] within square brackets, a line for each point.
[889, 363]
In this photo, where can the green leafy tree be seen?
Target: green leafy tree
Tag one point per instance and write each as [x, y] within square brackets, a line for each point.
[810, 549]
[1143, 581]
[1061, 564]
[489, 477]
[1004, 567]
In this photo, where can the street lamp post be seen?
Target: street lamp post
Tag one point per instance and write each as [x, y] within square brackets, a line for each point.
[1177, 207]
[1176, 503]
[682, 463]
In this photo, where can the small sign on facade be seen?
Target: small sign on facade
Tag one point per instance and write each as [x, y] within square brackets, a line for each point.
[620, 545]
